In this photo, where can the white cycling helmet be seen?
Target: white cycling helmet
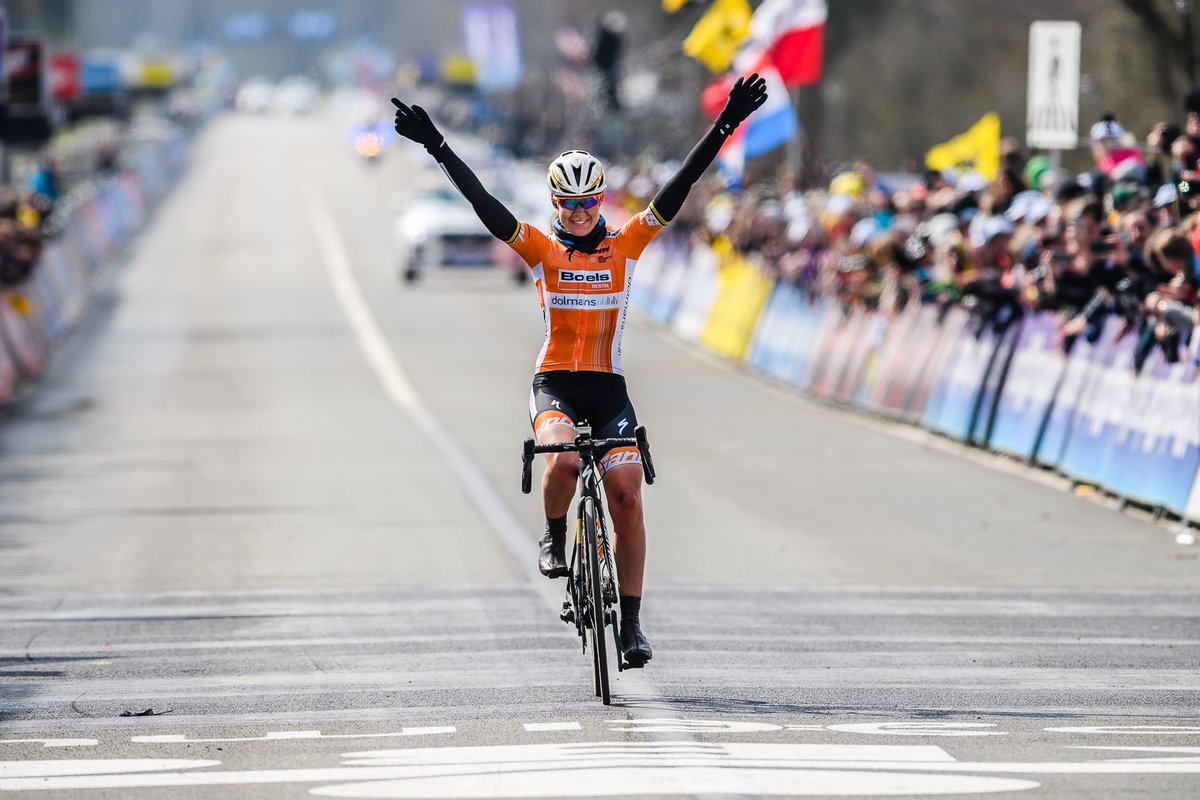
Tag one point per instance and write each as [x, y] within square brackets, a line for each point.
[575, 173]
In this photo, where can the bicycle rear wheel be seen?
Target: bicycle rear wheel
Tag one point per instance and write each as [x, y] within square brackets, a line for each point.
[595, 595]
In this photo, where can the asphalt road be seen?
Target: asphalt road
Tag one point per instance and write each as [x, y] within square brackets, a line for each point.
[272, 494]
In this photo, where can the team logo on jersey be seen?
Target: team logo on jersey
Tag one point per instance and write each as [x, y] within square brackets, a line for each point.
[584, 301]
[592, 276]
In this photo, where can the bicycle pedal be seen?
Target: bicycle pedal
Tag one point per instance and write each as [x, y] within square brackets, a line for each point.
[567, 614]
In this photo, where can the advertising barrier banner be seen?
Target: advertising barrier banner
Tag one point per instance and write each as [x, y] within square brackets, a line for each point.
[671, 284]
[767, 353]
[700, 295]
[646, 278]
[983, 416]
[1157, 451]
[9, 374]
[21, 344]
[953, 403]
[1084, 363]
[742, 291]
[946, 336]
[863, 359]
[1127, 461]
[830, 353]
[1034, 377]
[1100, 411]
[887, 363]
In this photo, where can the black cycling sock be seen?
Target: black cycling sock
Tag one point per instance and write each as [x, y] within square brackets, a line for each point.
[630, 608]
[557, 526]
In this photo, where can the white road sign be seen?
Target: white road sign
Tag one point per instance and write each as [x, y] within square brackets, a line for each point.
[1052, 118]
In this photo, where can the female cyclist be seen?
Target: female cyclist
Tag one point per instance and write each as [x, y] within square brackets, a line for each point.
[583, 271]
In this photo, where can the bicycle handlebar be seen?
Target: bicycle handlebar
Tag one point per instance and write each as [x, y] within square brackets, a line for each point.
[638, 440]
[594, 444]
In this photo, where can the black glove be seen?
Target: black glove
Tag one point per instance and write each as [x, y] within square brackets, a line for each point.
[745, 96]
[413, 123]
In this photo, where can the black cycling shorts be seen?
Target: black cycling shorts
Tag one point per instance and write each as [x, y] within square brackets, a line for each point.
[562, 397]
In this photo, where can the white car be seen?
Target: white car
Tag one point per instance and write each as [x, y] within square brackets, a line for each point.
[296, 95]
[255, 96]
[437, 228]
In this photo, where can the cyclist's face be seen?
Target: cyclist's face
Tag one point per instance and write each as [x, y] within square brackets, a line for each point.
[579, 220]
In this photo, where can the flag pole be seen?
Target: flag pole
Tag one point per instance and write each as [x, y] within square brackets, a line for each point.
[795, 145]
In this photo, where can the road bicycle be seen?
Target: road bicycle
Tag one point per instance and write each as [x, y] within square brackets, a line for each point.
[593, 594]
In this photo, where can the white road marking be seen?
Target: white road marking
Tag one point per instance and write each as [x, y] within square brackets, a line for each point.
[276, 736]
[1181, 754]
[16, 770]
[697, 781]
[400, 390]
[612, 768]
[54, 742]
[919, 728]
[1156, 730]
[538, 727]
[690, 726]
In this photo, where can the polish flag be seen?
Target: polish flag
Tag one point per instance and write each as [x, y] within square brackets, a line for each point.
[767, 128]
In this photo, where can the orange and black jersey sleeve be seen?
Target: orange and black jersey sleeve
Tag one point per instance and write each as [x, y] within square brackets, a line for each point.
[499, 221]
[530, 244]
[638, 232]
[670, 197]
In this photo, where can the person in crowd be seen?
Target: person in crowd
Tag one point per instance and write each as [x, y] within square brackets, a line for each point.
[44, 180]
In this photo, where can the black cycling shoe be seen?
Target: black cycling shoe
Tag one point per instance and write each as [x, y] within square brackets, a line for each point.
[634, 646]
[552, 560]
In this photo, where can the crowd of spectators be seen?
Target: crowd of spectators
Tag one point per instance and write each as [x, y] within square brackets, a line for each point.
[1122, 238]
[25, 212]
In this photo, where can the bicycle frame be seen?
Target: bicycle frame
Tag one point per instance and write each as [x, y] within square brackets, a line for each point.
[589, 584]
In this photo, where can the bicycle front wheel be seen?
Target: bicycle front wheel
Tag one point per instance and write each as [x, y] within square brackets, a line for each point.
[595, 594]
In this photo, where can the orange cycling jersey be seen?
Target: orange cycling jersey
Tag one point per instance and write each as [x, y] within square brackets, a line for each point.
[584, 295]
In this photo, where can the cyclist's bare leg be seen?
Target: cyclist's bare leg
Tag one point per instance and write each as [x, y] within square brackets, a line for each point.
[623, 488]
[562, 473]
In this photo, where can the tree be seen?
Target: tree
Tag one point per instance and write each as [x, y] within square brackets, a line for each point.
[1168, 23]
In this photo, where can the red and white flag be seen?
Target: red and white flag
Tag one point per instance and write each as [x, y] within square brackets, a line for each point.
[791, 35]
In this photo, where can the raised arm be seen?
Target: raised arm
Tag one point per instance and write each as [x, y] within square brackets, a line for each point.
[413, 123]
[745, 96]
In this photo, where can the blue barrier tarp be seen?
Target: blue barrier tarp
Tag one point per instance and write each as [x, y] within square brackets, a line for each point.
[1033, 379]
[1100, 411]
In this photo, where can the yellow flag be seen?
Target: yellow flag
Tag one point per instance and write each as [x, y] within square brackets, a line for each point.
[978, 148]
[715, 39]
[671, 6]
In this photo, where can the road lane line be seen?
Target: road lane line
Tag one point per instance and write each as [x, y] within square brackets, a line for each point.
[539, 727]
[403, 394]
[400, 390]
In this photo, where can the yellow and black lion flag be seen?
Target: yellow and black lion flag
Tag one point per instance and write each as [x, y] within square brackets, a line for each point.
[715, 39]
[977, 148]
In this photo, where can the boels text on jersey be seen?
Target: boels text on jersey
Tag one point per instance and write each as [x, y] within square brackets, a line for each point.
[598, 278]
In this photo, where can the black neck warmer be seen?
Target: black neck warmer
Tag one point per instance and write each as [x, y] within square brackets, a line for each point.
[584, 244]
